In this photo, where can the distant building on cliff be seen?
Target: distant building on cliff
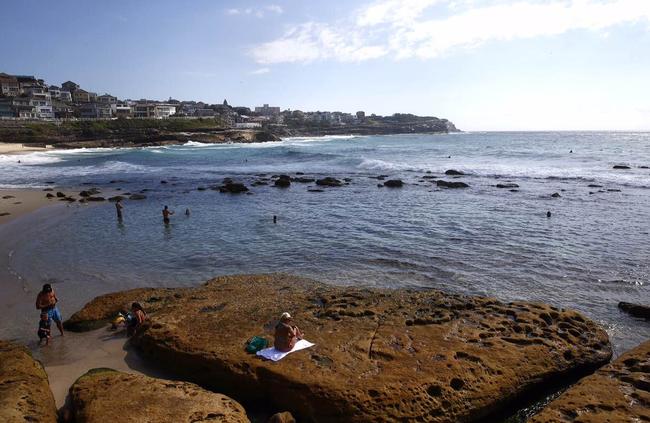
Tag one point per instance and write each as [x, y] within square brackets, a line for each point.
[9, 85]
[266, 110]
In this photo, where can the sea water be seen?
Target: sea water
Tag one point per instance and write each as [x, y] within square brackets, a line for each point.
[590, 254]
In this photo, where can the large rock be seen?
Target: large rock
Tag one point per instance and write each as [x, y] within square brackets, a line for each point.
[104, 395]
[447, 184]
[25, 394]
[329, 182]
[619, 392]
[394, 183]
[636, 310]
[233, 187]
[380, 355]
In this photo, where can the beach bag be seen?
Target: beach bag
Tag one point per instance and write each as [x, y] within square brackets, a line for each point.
[256, 344]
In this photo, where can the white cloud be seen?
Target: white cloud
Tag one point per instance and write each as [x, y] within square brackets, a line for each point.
[260, 71]
[260, 12]
[405, 28]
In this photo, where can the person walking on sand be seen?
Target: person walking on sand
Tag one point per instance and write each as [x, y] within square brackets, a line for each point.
[286, 334]
[46, 301]
[166, 213]
[118, 209]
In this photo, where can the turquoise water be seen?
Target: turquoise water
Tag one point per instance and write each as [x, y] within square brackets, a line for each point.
[592, 253]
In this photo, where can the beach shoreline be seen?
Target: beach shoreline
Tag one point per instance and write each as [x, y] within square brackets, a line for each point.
[19, 148]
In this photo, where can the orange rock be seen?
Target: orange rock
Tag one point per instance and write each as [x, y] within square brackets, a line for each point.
[380, 355]
[25, 394]
[618, 392]
[105, 395]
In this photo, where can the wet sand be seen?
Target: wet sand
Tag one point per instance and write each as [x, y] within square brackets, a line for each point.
[19, 202]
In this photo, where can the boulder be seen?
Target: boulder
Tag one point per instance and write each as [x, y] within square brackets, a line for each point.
[508, 185]
[453, 172]
[556, 195]
[283, 181]
[284, 417]
[621, 167]
[594, 186]
[137, 197]
[380, 355]
[447, 184]
[233, 187]
[49, 195]
[303, 180]
[618, 392]
[48, 189]
[116, 199]
[60, 194]
[394, 183]
[139, 398]
[25, 394]
[201, 188]
[329, 182]
[95, 199]
[636, 310]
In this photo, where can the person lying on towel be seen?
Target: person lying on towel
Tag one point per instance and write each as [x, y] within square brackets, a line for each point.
[286, 334]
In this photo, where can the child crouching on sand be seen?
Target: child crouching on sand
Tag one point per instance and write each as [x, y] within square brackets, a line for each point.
[44, 329]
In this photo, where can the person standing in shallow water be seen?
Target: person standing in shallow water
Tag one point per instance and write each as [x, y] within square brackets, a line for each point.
[46, 301]
[166, 213]
[118, 209]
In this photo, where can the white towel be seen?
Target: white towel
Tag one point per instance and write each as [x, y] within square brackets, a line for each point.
[275, 355]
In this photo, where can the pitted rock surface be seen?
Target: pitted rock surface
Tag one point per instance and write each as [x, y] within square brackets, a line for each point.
[618, 392]
[25, 394]
[380, 355]
[105, 395]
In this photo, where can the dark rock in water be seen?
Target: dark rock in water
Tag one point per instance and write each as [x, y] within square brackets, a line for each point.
[149, 400]
[556, 195]
[201, 188]
[347, 179]
[50, 182]
[613, 190]
[95, 199]
[429, 177]
[380, 185]
[621, 167]
[447, 184]
[315, 190]
[116, 199]
[442, 357]
[284, 417]
[233, 188]
[303, 180]
[618, 392]
[5, 214]
[591, 192]
[394, 183]
[514, 190]
[635, 310]
[82, 200]
[300, 173]
[25, 394]
[644, 167]
[259, 183]
[229, 180]
[48, 189]
[380, 177]
[84, 194]
[163, 182]
[507, 185]
[428, 171]
[7, 197]
[137, 197]
[453, 172]
[329, 182]
[594, 186]
[283, 182]
[69, 199]
[49, 195]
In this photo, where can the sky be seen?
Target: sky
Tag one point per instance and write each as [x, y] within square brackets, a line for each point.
[483, 64]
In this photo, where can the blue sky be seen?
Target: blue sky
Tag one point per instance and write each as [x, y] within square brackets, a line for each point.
[484, 64]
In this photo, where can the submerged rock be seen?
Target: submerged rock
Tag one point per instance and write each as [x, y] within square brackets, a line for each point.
[139, 398]
[621, 167]
[380, 355]
[137, 197]
[507, 185]
[283, 181]
[453, 172]
[636, 310]
[329, 182]
[447, 184]
[618, 392]
[25, 394]
[556, 195]
[394, 183]
[233, 187]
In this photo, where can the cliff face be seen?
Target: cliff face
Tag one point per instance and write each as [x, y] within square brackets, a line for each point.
[380, 355]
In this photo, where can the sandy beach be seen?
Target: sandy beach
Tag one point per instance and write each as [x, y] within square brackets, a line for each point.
[17, 148]
[68, 357]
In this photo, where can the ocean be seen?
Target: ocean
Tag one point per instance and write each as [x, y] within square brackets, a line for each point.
[590, 254]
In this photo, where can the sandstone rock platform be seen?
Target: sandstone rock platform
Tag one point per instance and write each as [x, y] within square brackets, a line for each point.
[618, 392]
[380, 355]
[25, 394]
[105, 395]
